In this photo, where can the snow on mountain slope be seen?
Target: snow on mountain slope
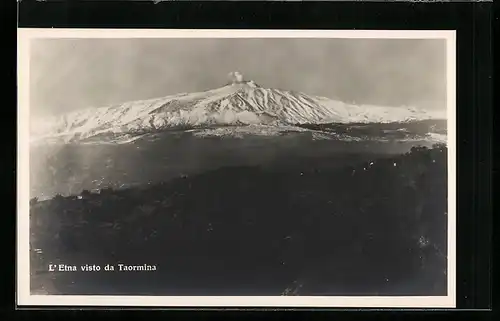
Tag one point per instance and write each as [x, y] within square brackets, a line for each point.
[239, 103]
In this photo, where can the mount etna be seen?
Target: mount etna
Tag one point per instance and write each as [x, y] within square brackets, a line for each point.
[241, 190]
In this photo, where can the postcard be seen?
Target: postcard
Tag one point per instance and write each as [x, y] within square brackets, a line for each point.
[236, 168]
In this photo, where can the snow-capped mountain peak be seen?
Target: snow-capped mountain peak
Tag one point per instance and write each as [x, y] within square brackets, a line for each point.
[240, 102]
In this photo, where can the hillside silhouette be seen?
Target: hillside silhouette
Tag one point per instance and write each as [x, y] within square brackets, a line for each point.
[372, 228]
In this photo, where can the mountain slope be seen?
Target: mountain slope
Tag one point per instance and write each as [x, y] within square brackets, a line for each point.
[240, 103]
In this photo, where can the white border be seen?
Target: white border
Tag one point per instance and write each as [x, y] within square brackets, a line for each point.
[23, 274]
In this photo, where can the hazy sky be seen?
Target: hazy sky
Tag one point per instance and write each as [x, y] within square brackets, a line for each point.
[70, 74]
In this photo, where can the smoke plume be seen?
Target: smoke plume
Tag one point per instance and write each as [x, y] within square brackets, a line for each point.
[235, 77]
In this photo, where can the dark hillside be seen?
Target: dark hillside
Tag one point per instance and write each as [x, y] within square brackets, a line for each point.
[308, 229]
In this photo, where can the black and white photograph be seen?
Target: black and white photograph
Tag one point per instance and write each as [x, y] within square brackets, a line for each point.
[236, 168]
